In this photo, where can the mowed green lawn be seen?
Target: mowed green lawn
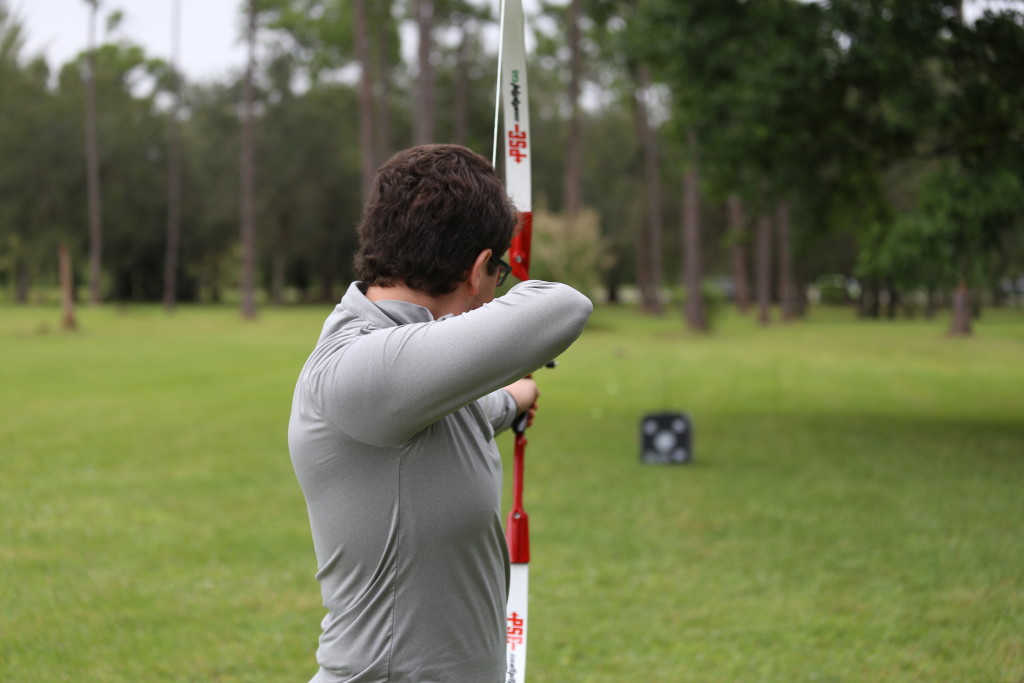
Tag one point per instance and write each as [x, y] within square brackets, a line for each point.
[855, 511]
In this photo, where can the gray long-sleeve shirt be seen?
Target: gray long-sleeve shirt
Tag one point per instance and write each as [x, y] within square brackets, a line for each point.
[392, 439]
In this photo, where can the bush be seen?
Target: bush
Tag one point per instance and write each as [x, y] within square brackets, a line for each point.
[715, 302]
[833, 291]
[573, 253]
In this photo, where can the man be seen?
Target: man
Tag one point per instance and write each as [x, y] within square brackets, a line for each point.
[393, 423]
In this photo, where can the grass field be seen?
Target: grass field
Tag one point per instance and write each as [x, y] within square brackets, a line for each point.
[855, 511]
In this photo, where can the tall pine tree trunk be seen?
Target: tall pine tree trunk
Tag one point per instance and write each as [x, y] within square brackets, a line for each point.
[574, 157]
[696, 317]
[173, 171]
[764, 268]
[67, 287]
[461, 114]
[92, 161]
[22, 278]
[379, 106]
[424, 115]
[248, 210]
[366, 156]
[327, 274]
[613, 279]
[649, 236]
[738, 253]
[278, 263]
[961, 323]
[787, 284]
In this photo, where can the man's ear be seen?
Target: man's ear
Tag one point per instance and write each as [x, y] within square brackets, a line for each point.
[478, 271]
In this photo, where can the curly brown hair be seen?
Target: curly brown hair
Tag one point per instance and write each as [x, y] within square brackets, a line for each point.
[432, 209]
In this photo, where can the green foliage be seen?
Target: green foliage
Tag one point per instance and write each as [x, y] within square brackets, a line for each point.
[955, 232]
[12, 37]
[833, 290]
[850, 515]
[132, 135]
[319, 31]
[750, 79]
[465, 55]
[567, 251]
[714, 303]
[37, 191]
[820, 104]
[308, 225]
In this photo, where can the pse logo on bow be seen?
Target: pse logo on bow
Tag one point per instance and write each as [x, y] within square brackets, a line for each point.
[515, 93]
[512, 671]
[517, 136]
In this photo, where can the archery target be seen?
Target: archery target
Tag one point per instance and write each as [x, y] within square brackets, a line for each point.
[666, 438]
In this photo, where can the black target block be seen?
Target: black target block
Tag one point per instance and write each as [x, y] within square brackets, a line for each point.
[666, 439]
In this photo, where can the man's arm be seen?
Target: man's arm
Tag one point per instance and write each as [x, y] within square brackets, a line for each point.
[502, 406]
[387, 386]
[525, 393]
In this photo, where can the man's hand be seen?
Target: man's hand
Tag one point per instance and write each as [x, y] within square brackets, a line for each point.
[525, 394]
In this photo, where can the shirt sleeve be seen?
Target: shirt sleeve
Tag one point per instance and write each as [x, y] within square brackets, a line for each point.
[500, 408]
[387, 386]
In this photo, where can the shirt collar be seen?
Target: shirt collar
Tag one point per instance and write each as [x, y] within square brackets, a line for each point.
[387, 313]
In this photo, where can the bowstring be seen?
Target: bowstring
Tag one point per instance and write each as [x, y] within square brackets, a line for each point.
[497, 86]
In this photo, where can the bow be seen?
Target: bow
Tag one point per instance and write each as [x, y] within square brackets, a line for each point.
[513, 92]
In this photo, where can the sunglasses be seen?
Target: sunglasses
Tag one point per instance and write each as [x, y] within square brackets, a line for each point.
[503, 269]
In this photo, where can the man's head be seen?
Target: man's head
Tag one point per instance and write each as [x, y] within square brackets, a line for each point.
[432, 210]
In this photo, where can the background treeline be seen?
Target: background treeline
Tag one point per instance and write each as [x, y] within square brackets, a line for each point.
[871, 148]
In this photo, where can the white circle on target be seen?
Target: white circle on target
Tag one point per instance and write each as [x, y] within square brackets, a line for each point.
[664, 442]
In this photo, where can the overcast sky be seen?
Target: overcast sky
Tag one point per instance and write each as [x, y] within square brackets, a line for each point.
[210, 46]
[210, 30]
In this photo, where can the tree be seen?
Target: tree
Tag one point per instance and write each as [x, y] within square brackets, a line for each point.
[173, 168]
[693, 307]
[977, 193]
[964, 117]
[460, 106]
[212, 185]
[787, 284]
[41, 179]
[574, 160]
[385, 60]
[738, 252]
[248, 174]
[306, 225]
[92, 155]
[366, 103]
[763, 268]
[326, 38]
[134, 166]
[631, 206]
[40, 155]
[67, 297]
[875, 126]
[423, 132]
[953, 237]
[803, 108]
[466, 20]
[650, 235]
[464, 74]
